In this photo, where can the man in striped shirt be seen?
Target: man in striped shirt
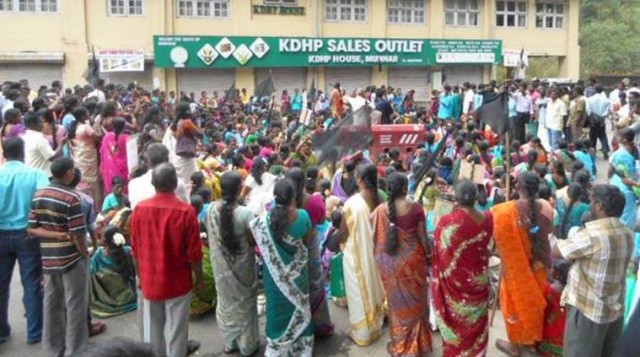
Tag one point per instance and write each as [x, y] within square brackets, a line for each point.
[57, 219]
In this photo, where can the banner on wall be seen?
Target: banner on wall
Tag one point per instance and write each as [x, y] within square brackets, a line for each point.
[232, 52]
[121, 60]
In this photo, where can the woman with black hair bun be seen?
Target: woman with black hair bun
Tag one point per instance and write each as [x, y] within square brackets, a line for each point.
[365, 294]
[281, 235]
[460, 285]
[315, 207]
[257, 190]
[113, 279]
[84, 152]
[344, 181]
[521, 231]
[400, 251]
[234, 268]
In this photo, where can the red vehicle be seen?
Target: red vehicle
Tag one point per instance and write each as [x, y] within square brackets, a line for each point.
[404, 137]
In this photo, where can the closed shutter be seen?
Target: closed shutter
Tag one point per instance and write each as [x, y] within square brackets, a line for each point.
[408, 78]
[197, 80]
[457, 75]
[284, 78]
[38, 74]
[350, 78]
[144, 79]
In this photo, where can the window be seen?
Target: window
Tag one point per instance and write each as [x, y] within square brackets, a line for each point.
[461, 12]
[346, 10]
[126, 8]
[49, 5]
[281, 2]
[406, 11]
[29, 5]
[511, 13]
[203, 8]
[550, 14]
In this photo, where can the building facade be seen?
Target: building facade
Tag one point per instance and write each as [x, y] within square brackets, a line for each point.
[45, 40]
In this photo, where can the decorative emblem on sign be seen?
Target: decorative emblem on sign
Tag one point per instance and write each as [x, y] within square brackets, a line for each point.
[207, 54]
[259, 47]
[242, 54]
[225, 47]
[179, 56]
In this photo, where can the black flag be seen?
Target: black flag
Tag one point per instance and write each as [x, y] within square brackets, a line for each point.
[494, 111]
[351, 134]
[92, 74]
[311, 94]
[229, 93]
[265, 88]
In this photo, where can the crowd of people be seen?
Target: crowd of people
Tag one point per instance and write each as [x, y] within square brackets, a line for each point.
[118, 199]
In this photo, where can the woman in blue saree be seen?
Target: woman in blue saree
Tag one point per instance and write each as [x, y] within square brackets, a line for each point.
[281, 235]
[622, 174]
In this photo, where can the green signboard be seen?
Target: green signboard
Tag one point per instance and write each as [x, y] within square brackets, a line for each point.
[232, 52]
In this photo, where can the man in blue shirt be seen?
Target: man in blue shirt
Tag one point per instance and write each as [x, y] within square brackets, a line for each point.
[18, 183]
[598, 109]
[445, 110]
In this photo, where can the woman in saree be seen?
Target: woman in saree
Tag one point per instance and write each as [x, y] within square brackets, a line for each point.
[365, 294]
[186, 140]
[344, 182]
[113, 155]
[337, 103]
[257, 190]
[521, 231]
[84, 152]
[234, 268]
[203, 301]
[401, 257]
[622, 174]
[113, 285]
[281, 234]
[571, 211]
[460, 275]
[316, 209]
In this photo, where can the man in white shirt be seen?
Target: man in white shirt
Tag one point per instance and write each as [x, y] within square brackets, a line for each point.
[556, 110]
[357, 100]
[98, 92]
[38, 151]
[467, 102]
[614, 96]
[140, 188]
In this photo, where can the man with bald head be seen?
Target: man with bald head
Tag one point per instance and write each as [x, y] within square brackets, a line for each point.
[165, 243]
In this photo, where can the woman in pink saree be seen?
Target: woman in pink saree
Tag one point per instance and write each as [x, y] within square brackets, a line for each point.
[84, 152]
[113, 155]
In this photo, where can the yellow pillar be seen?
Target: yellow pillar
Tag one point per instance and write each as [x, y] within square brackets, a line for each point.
[570, 64]
[245, 79]
[320, 80]
[379, 75]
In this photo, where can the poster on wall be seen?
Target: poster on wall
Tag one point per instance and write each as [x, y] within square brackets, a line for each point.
[121, 60]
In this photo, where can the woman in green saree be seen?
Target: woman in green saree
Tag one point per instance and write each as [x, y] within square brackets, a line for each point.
[113, 286]
[281, 236]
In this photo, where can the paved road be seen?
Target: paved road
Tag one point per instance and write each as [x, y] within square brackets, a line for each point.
[206, 331]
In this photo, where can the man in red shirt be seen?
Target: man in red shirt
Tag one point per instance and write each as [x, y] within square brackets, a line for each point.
[165, 242]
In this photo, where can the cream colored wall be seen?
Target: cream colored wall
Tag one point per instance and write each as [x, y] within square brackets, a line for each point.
[66, 32]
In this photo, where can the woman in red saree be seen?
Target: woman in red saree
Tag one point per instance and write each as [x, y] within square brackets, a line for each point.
[337, 103]
[461, 284]
[401, 258]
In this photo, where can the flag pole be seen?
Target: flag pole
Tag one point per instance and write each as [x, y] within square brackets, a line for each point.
[494, 305]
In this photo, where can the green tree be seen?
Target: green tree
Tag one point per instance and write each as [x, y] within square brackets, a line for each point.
[608, 29]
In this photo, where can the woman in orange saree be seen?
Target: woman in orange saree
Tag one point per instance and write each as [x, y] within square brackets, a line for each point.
[460, 275]
[521, 232]
[401, 258]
